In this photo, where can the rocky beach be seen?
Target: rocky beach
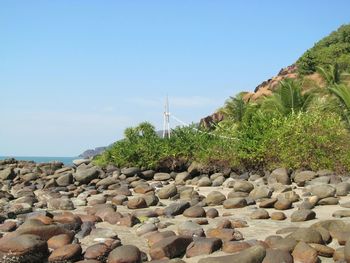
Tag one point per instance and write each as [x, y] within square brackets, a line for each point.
[82, 213]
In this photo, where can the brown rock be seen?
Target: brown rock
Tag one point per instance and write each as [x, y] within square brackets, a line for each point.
[66, 253]
[136, 203]
[225, 234]
[170, 247]
[98, 251]
[278, 216]
[277, 256]
[194, 211]
[203, 246]
[323, 250]
[235, 246]
[58, 241]
[304, 253]
[125, 254]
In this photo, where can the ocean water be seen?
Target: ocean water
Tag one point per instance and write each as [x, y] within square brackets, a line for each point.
[42, 159]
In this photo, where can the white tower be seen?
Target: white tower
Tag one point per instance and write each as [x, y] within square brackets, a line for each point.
[166, 119]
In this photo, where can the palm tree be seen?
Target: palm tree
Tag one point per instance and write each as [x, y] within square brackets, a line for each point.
[235, 107]
[288, 99]
[342, 91]
[331, 74]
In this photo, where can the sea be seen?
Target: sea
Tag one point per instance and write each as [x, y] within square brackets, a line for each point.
[42, 159]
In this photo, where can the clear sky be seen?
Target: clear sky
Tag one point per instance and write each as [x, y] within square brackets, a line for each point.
[74, 74]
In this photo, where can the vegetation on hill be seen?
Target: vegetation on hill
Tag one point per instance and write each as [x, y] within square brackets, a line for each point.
[331, 50]
[292, 128]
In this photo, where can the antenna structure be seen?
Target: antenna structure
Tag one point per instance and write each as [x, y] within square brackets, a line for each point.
[166, 119]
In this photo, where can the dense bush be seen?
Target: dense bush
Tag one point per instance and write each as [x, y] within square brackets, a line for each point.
[331, 50]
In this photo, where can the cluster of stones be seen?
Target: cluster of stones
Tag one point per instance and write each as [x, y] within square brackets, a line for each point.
[82, 213]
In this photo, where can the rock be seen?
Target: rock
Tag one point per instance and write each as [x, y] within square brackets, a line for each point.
[322, 191]
[181, 178]
[278, 216]
[307, 235]
[146, 228]
[148, 174]
[107, 181]
[78, 162]
[98, 251]
[189, 228]
[283, 204]
[169, 247]
[23, 249]
[304, 253]
[215, 198]
[60, 204]
[8, 226]
[342, 189]
[161, 177]
[176, 208]
[235, 203]
[287, 244]
[260, 192]
[203, 246]
[225, 234]
[65, 179]
[323, 250]
[347, 251]
[281, 176]
[341, 213]
[328, 201]
[277, 256]
[85, 176]
[204, 181]
[303, 176]
[212, 213]
[154, 237]
[302, 215]
[125, 254]
[254, 254]
[260, 214]
[67, 253]
[268, 203]
[167, 191]
[131, 171]
[195, 211]
[58, 241]
[243, 186]
[136, 203]
[235, 246]
[339, 256]
[7, 174]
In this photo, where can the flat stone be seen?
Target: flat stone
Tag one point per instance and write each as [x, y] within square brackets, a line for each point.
[170, 247]
[235, 203]
[302, 215]
[203, 246]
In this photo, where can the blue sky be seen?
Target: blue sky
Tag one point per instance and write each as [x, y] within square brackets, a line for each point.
[74, 74]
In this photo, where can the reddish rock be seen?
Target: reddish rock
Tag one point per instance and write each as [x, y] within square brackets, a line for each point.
[194, 211]
[58, 241]
[170, 247]
[98, 251]
[225, 234]
[136, 203]
[70, 252]
[8, 226]
[304, 253]
[157, 236]
[234, 246]
[203, 246]
[125, 254]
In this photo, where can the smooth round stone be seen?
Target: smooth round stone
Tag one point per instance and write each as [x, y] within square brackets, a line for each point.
[204, 181]
[260, 214]
[302, 215]
[278, 216]
[136, 203]
[167, 191]
[323, 250]
[125, 254]
[98, 251]
[161, 177]
[235, 203]
[146, 228]
[283, 204]
[307, 235]
[267, 203]
[70, 252]
[215, 198]
[328, 201]
[58, 241]
[243, 186]
[212, 213]
[194, 211]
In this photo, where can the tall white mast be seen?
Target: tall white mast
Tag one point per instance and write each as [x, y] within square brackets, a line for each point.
[166, 119]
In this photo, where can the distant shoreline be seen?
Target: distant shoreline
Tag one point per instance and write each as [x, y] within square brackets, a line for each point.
[42, 159]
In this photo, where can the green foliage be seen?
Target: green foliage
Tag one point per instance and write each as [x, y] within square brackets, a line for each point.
[235, 107]
[304, 140]
[288, 99]
[331, 50]
[343, 94]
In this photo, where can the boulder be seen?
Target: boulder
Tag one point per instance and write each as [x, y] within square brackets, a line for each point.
[170, 247]
[167, 191]
[254, 254]
[307, 235]
[85, 176]
[304, 253]
[195, 211]
[301, 177]
[237, 202]
[260, 192]
[215, 198]
[302, 215]
[189, 228]
[125, 254]
[243, 186]
[67, 253]
[281, 176]
[322, 191]
[136, 203]
[260, 214]
[176, 208]
[277, 256]
[131, 171]
[203, 246]
[7, 174]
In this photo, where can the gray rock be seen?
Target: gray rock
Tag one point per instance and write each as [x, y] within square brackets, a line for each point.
[235, 203]
[328, 201]
[215, 198]
[7, 174]
[243, 186]
[78, 162]
[182, 177]
[307, 235]
[167, 191]
[302, 215]
[131, 171]
[341, 213]
[60, 204]
[189, 228]
[303, 176]
[65, 179]
[322, 191]
[277, 256]
[161, 176]
[260, 214]
[342, 189]
[204, 181]
[84, 176]
[281, 176]
[176, 208]
[260, 192]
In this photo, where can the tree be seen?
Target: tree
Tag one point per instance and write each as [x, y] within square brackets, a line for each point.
[288, 99]
[235, 107]
[330, 74]
[343, 93]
